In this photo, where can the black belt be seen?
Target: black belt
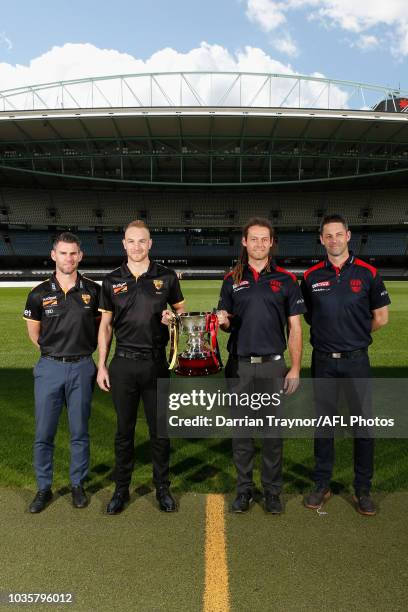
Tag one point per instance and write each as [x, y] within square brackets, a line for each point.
[71, 359]
[135, 355]
[260, 358]
[343, 354]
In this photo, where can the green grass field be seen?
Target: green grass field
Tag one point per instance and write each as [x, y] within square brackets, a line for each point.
[203, 558]
[197, 465]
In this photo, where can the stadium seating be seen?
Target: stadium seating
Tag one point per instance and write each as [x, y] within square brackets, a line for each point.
[181, 209]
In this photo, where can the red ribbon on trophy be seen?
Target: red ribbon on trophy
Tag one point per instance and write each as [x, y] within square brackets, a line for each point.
[211, 326]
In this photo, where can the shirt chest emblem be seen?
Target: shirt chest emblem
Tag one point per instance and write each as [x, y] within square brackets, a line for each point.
[356, 285]
[158, 284]
[275, 285]
[86, 298]
[119, 288]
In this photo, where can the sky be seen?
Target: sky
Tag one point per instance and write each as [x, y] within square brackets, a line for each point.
[364, 41]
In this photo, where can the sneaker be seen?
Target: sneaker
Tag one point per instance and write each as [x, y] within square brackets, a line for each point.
[242, 502]
[273, 504]
[316, 498]
[364, 503]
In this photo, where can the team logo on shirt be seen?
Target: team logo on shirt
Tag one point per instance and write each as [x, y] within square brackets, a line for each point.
[86, 298]
[275, 285]
[158, 284]
[50, 300]
[356, 285]
[119, 288]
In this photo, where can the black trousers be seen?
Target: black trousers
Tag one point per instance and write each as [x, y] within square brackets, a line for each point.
[358, 396]
[260, 378]
[131, 380]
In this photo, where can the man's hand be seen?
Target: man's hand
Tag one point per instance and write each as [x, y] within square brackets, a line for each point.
[103, 378]
[291, 381]
[223, 318]
[167, 316]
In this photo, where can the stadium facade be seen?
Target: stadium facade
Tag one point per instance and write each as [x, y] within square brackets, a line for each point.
[195, 155]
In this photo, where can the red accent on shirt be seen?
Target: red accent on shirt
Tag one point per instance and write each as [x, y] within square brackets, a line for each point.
[254, 273]
[292, 276]
[317, 266]
[364, 264]
[228, 275]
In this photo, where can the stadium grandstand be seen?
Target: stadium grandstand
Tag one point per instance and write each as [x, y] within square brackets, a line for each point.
[195, 155]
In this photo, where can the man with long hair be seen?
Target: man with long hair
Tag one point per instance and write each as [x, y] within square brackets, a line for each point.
[259, 303]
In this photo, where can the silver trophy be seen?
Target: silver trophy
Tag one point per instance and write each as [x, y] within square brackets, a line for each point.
[200, 356]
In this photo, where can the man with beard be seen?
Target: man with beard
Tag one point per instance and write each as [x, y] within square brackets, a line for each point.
[259, 301]
[346, 301]
[62, 320]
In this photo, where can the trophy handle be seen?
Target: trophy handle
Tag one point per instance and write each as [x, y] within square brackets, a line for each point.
[174, 331]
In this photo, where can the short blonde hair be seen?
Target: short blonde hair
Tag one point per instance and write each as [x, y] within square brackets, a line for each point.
[137, 223]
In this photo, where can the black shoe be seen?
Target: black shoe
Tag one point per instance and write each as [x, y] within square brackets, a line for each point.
[242, 502]
[79, 498]
[316, 498]
[166, 501]
[273, 504]
[118, 502]
[40, 501]
[364, 503]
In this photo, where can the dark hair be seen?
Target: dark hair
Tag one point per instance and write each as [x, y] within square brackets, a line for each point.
[67, 237]
[238, 270]
[332, 219]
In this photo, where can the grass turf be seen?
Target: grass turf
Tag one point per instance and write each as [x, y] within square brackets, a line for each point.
[197, 465]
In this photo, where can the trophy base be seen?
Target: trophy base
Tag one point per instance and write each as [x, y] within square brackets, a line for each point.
[196, 367]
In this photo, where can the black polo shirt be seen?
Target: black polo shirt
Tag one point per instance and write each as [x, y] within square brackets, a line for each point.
[260, 304]
[137, 305]
[68, 326]
[339, 303]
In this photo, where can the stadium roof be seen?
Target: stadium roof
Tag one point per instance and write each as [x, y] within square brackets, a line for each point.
[194, 129]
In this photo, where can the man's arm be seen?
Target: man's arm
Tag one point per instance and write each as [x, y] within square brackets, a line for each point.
[104, 343]
[34, 329]
[295, 351]
[380, 318]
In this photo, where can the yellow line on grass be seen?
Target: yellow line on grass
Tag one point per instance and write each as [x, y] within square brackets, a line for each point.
[216, 592]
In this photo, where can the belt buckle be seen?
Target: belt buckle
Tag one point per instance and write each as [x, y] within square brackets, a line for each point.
[336, 355]
[256, 359]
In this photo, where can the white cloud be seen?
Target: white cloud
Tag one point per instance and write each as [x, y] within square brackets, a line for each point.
[355, 16]
[4, 40]
[268, 14]
[286, 45]
[76, 61]
[366, 42]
